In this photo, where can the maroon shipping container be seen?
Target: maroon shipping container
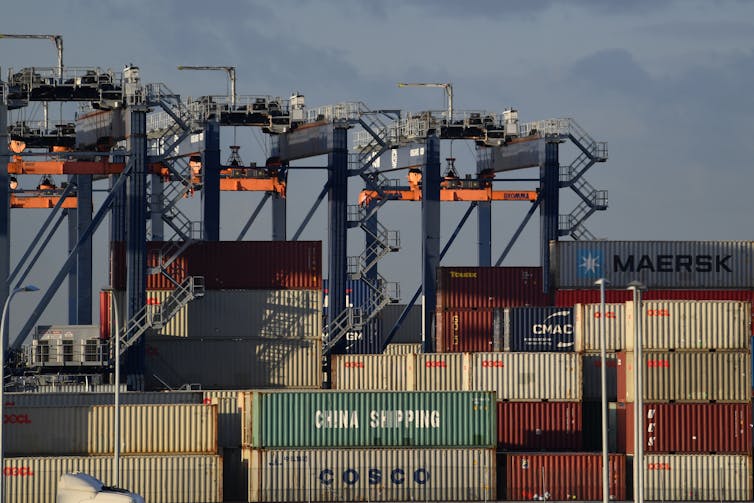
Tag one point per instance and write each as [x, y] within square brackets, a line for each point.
[465, 331]
[688, 428]
[489, 287]
[231, 265]
[563, 477]
[104, 314]
[539, 426]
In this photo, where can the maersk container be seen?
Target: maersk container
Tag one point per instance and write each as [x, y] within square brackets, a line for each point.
[363, 419]
[158, 479]
[528, 376]
[592, 376]
[690, 324]
[539, 426]
[461, 288]
[372, 475]
[374, 372]
[688, 376]
[233, 363]
[563, 477]
[443, 372]
[145, 429]
[460, 331]
[688, 427]
[60, 399]
[697, 477]
[535, 329]
[657, 264]
[228, 416]
[587, 323]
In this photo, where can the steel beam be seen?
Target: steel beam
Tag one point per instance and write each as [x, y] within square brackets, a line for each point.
[80, 276]
[211, 181]
[430, 236]
[372, 329]
[4, 213]
[484, 233]
[549, 174]
[155, 208]
[279, 210]
[118, 212]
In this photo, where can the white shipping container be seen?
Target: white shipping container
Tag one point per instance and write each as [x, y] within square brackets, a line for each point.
[528, 376]
[403, 348]
[697, 477]
[159, 479]
[145, 429]
[587, 321]
[372, 475]
[443, 372]
[64, 399]
[692, 324]
[374, 372]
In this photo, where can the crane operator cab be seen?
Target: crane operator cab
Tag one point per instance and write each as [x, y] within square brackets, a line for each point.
[82, 488]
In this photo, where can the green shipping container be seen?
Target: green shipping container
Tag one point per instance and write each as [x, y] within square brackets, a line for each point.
[312, 419]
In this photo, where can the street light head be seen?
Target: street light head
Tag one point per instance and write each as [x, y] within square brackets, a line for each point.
[602, 281]
[31, 288]
[636, 285]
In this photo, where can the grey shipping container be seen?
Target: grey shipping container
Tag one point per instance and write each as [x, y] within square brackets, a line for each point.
[62, 399]
[657, 264]
[592, 375]
[410, 330]
[535, 329]
[372, 475]
[697, 477]
[587, 321]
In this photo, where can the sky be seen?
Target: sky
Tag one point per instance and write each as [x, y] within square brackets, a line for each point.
[666, 83]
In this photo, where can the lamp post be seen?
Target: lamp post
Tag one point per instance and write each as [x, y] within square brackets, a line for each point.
[27, 288]
[116, 420]
[602, 282]
[636, 288]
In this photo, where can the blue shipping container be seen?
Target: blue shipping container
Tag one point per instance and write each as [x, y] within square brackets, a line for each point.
[539, 329]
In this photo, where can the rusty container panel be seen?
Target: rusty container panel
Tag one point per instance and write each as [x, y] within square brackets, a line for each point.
[374, 372]
[563, 477]
[688, 376]
[489, 287]
[587, 321]
[371, 475]
[688, 427]
[697, 477]
[460, 331]
[592, 376]
[528, 376]
[690, 324]
[158, 479]
[539, 426]
[443, 372]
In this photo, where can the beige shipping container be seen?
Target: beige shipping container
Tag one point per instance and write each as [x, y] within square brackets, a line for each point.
[692, 324]
[688, 376]
[528, 376]
[587, 322]
[403, 348]
[443, 372]
[145, 429]
[374, 372]
[372, 475]
[159, 479]
[697, 477]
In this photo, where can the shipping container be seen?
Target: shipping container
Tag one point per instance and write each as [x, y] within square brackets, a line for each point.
[688, 376]
[372, 475]
[235, 475]
[403, 348]
[233, 363]
[587, 322]
[593, 426]
[539, 426]
[443, 372]
[158, 479]
[535, 329]
[697, 477]
[657, 264]
[62, 399]
[690, 324]
[592, 376]
[145, 429]
[229, 265]
[318, 419]
[688, 427]
[563, 477]
[460, 288]
[528, 376]
[228, 416]
[410, 330]
[460, 331]
[374, 372]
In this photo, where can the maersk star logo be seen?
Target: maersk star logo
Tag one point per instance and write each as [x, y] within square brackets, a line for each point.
[590, 263]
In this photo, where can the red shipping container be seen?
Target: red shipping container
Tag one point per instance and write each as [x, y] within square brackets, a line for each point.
[563, 477]
[464, 331]
[489, 287]
[539, 426]
[688, 428]
[104, 314]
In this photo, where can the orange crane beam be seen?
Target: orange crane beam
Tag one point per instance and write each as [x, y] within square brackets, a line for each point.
[253, 184]
[40, 201]
[451, 194]
[18, 167]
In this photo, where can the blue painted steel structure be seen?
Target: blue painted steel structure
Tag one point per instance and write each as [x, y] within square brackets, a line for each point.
[211, 182]
[484, 233]
[549, 174]
[430, 235]
[5, 213]
[118, 213]
[80, 277]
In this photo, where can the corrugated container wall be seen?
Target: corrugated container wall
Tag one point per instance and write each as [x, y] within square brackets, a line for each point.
[565, 477]
[233, 363]
[403, 348]
[587, 325]
[657, 264]
[528, 376]
[372, 475]
[231, 265]
[593, 426]
[688, 427]
[690, 324]
[85, 399]
[697, 477]
[158, 479]
[535, 329]
[228, 416]
[410, 330]
[460, 331]
[443, 372]
[374, 372]
[723, 376]
[592, 376]
[539, 426]
[369, 419]
[489, 287]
